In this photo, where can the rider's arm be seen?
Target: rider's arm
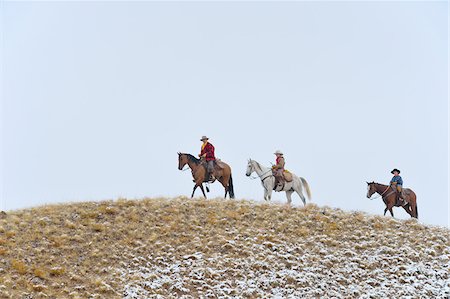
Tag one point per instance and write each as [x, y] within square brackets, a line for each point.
[280, 164]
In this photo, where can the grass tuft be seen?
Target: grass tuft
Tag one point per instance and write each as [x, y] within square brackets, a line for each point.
[170, 248]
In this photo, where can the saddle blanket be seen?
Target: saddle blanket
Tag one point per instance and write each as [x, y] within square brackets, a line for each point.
[287, 176]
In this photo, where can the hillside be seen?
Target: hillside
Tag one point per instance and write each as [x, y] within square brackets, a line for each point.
[217, 248]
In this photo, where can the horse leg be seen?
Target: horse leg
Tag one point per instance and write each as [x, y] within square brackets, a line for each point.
[203, 190]
[268, 188]
[193, 191]
[297, 186]
[390, 210]
[413, 206]
[300, 193]
[408, 209]
[267, 194]
[222, 180]
[288, 196]
[390, 203]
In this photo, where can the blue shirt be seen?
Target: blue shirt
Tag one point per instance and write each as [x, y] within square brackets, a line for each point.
[397, 179]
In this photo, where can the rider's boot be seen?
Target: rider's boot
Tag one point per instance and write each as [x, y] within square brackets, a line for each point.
[209, 177]
[401, 200]
[280, 181]
[212, 178]
[404, 201]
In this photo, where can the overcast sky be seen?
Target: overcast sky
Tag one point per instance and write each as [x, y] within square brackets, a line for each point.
[97, 98]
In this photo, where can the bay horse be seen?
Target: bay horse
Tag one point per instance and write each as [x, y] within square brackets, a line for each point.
[389, 196]
[268, 182]
[198, 171]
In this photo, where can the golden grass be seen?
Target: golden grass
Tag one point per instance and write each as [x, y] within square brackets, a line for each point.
[74, 250]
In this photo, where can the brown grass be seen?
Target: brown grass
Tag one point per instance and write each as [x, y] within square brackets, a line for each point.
[75, 250]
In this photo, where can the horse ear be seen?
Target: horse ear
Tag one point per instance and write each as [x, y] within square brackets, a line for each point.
[367, 183]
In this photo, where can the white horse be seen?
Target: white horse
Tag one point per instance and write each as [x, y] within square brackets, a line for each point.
[268, 182]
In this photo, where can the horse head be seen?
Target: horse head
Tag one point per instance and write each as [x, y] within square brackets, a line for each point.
[250, 168]
[371, 189]
[182, 160]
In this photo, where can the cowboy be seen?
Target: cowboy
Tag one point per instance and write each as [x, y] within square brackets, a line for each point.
[397, 183]
[278, 168]
[207, 153]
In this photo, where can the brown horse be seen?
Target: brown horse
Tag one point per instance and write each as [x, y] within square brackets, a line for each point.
[389, 196]
[222, 174]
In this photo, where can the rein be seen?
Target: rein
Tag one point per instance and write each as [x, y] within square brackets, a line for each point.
[381, 194]
[263, 179]
[186, 168]
[259, 176]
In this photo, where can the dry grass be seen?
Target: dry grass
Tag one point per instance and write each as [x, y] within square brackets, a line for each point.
[210, 248]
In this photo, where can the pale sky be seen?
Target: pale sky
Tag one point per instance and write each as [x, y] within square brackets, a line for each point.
[97, 98]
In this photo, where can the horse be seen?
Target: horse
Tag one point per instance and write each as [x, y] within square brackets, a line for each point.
[268, 182]
[389, 196]
[199, 172]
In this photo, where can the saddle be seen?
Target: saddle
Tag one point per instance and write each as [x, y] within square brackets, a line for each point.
[287, 178]
[218, 167]
[405, 195]
[219, 164]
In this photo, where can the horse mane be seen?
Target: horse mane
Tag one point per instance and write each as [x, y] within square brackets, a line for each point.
[377, 184]
[192, 158]
[257, 164]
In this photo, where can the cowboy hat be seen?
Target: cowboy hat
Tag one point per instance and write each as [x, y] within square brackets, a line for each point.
[278, 152]
[204, 138]
[394, 170]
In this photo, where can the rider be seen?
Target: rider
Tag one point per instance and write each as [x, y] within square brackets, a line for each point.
[278, 168]
[397, 183]
[207, 153]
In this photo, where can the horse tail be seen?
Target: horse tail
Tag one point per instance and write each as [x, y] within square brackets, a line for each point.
[308, 190]
[230, 187]
[416, 211]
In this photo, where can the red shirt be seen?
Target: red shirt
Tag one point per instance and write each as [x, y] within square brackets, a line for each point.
[209, 151]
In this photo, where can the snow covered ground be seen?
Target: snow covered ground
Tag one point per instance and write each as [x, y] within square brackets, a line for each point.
[341, 255]
[183, 248]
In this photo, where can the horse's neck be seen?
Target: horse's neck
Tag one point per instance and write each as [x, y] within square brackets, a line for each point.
[381, 188]
[260, 169]
[192, 164]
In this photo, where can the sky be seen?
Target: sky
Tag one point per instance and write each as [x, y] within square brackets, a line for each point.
[97, 98]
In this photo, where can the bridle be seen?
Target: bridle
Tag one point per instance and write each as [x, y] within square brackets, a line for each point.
[187, 163]
[381, 194]
[260, 176]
